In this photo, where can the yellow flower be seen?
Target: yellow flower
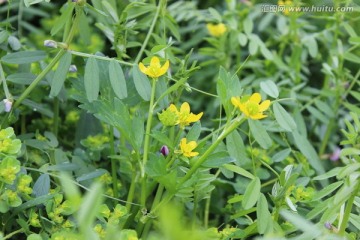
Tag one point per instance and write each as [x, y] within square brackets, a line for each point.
[186, 117]
[172, 116]
[250, 105]
[186, 148]
[155, 69]
[285, 4]
[216, 30]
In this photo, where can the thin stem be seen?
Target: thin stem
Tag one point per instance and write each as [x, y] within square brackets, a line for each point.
[147, 141]
[130, 196]
[99, 57]
[56, 116]
[31, 87]
[348, 208]
[151, 29]
[113, 163]
[13, 233]
[3, 81]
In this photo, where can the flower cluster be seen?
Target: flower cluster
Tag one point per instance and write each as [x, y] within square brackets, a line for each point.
[183, 117]
[251, 106]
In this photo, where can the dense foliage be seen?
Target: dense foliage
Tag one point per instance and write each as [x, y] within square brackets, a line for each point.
[179, 119]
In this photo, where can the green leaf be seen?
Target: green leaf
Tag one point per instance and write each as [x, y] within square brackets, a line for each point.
[309, 152]
[65, 16]
[217, 159]
[251, 194]
[107, 6]
[60, 74]
[89, 207]
[194, 132]
[91, 175]
[3, 36]
[284, 119]
[238, 170]
[352, 57]
[270, 88]
[142, 83]
[260, 134]
[236, 148]
[264, 220]
[279, 156]
[299, 222]
[138, 131]
[326, 191]
[312, 46]
[84, 29]
[91, 79]
[333, 172]
[42, 185]
[242, 39]
[248, 25]
[163, 138]
[24, 57]
[21, 78]
[34, 236]
[117, 79]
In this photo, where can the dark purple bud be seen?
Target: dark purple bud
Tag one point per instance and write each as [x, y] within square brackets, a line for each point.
[74, 0]
[164, 150]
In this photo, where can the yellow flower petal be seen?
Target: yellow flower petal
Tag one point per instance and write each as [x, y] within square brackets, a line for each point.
[164, 68]
[264, 105]
[185, 108]
[235, 101]
[256, 98]
[142, 68]
[155, 62]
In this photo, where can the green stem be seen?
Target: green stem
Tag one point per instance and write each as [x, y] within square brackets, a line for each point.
[130, 196]
[3, 81]
[113, 163]
[56, 116]
[348, 208]
[13, 233]
[99, 57]
[31, 87]
[151, 29]
[147, 142]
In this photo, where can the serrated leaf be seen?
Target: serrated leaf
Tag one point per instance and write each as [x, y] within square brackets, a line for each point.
[24, 57]
[251, 194]
[259, 133]
[60, 74]
[270, 88]
[117, 79]
[91, 79]
[284, 119]
[142, 83]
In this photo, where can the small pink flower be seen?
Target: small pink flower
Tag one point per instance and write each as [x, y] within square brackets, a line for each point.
[335, 155]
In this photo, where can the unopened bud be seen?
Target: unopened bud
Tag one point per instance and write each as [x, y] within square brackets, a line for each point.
[8, 105]
[72, 68]
[164, 150]
[328, 225]
[50, 44]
